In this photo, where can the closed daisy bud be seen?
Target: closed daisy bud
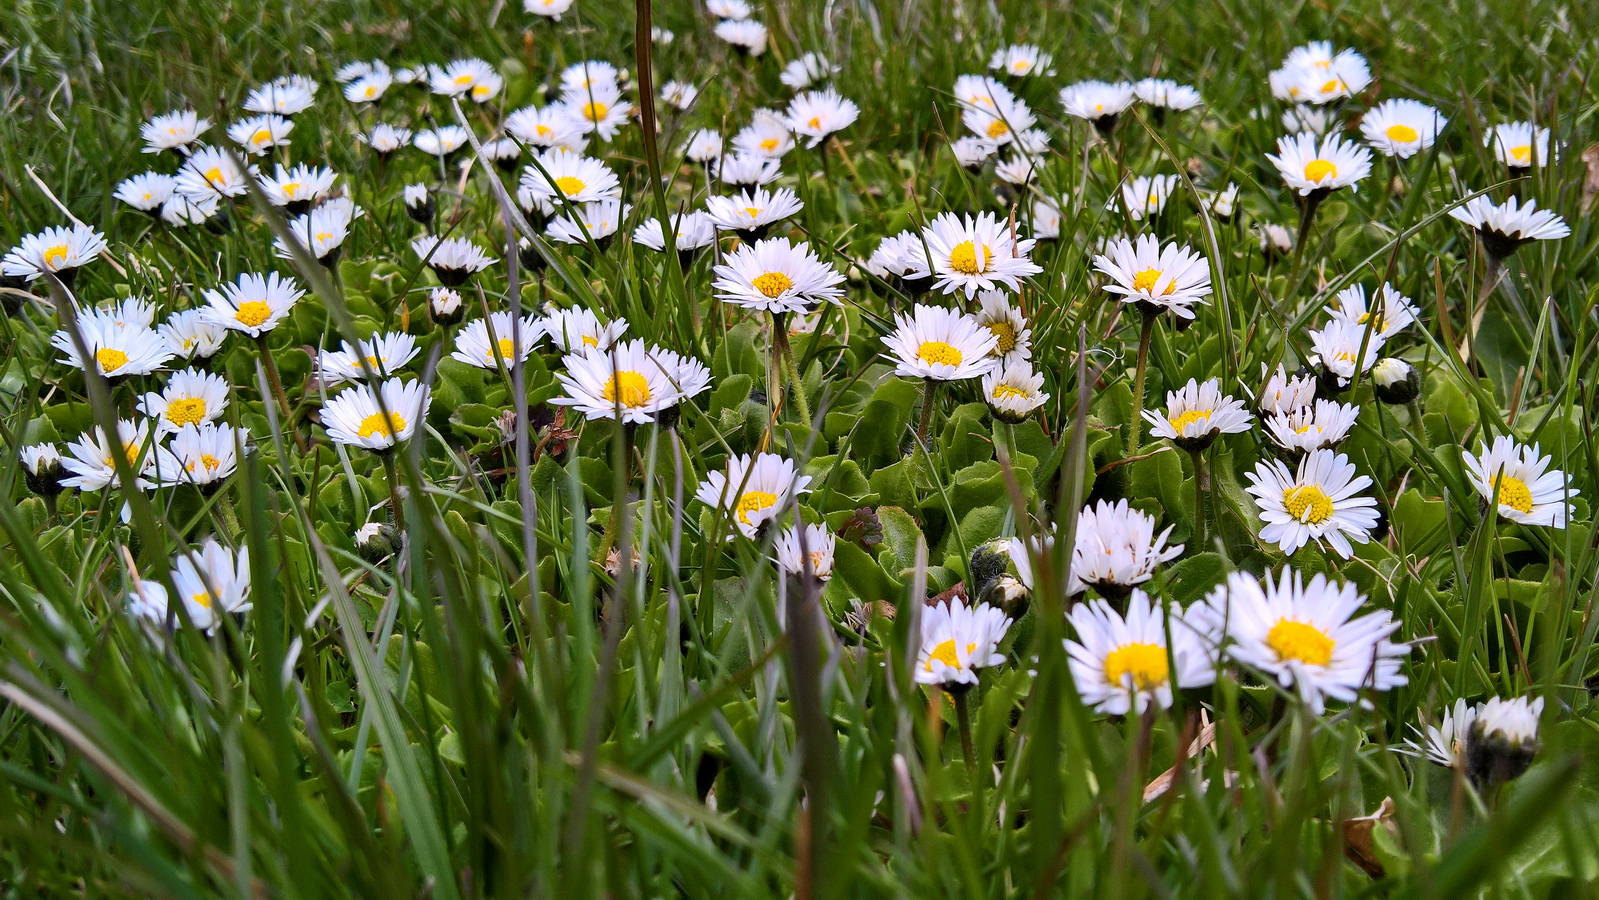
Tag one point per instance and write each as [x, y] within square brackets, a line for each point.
[1503, 228]
[1124, 665]
[59, 251]
[377, 541]
[1395, 381]
[41, 469]
[1013, 391]
[753, 490]
[1401, 128]
[453, 260]
[940, 345]
[956, 641]
[444, 305]
[419, 204]
[503, 153]
[378, 419]
[779, 277]
[1154, 278]
[807, 551]
[1502, 740]
[1196, 414]
[1518, 481]
[1319, 501]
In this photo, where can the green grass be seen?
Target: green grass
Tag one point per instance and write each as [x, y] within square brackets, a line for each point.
[495, 712]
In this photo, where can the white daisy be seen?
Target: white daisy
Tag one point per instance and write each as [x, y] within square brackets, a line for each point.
[746, 169]
[59, 251]
[900, 257]
[940, 345]
[578, 330]
[1305, 635]
[972, 255]
[190, 336]
[548, 9]
[1284, 393]
[548, 126]
[1116, 549]
[1145, 196]
[117, 351]
[369, 88]
[777, 276]
[1319, 501]
[297, 188]
[1503, 740]
[816, 557]
[376, 419]
[444, 305]
[191, 398]
[767, 134]
[1519, 482]
[1155, 278]
[598, 109]
[751, 213]
[1445, 743]
[1021, 61]
[254, 304]
[971, 151]
[1013, 391]
[41, 465]
[210, 172]
[174, 131]
[470, 77]
[1275, 240]
[1337, 347]
[981, 92]
[1324, 425]
[285, 96]
[1223, 203]
[321, 230]
[212, 583]
[1046, 219]
[692, 230]
[1163, 93]
[753, 490]
[1503, 228]
[728, 9]
[816, 115]
[1099, 102]
[90, 460]
[1519, 145]
[679, 94]
[259, 134]
[578, 179]
[957, 640]
[1401, 128]
[704, 146]
[1000, 121]
[747, 36]
[441, 141]
[1395, 381]
[360, 68]
[147, 191]
[1017, 169]
[1121, 665]
[380, 356]
[207, 454]
[129, 311]
[588, 73]
[805, 70]
[1308, 165]
[629, 377]
[1302, 117]
[1196, 414]
[1394, 312]
[595, 221]
[484, 343]
[1015, 339]
[453, 260]
[385, 138]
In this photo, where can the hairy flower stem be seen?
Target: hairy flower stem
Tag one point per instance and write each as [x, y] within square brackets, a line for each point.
[785, 355]
[1490, 280]
[391, 471]
[1415, 420]
[271, 369]
[1307, 218]
[963, 715]
[1201, 491]
[1135, 425]
[929, 395]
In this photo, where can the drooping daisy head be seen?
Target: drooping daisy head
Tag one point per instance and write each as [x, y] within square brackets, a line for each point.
[377, 419]
[1519, 483]
[1312, 165]
[1117, 548]
[969, 254]
[501, 339]
[254, 304]
[957, 640]
[940, 344]
[628, 380]
[1519, 145]
[808, 550]
[1155, 278]
[1504, 227]
[1126, 664]
[1319, 500]
[777, 276]
[1013, 391]
[1401, 128]
[753, 490]
[1198, 413]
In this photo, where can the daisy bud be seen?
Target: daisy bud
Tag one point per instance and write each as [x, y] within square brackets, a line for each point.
[1395, 381]
[419, 204]
[1276, 242]
[1503, 740]
[42, 469]
[994, 569]
[376, 541]
[444, 305]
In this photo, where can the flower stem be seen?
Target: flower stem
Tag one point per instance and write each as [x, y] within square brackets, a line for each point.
[1307, 218]
[1201, 491]
[929, 394]
[785, 354]
[1135, 425]
[393, 474]
[1490, 280]
[271, 369]
[963, 715]
[1415, 420]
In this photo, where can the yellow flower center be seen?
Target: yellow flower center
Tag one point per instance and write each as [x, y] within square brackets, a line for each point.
[754, 502]
[998, 129]
[1301, 642]
[1146, 663]
[371, 90]
[507, 350]
[1513, 492]
[1333, 86]
[253, 312]
[815, 124]
[946, 654]
[202, 598]
[1145, 281]
[589, 341]
[381, 426]
[1402, 133]
[1369, 316]
[1021, 65]
[261, 136]
[1522, 153]
[186, 411]
[963, 258]
[570, 186]
[631, 387]
[1189, 418]
[110, 360]
[1005, 334]
[938, 353]
[1319, 170]
[290, 189]
[55, 256]
[481, 90]
[214, 175]
[595, 111]
[772, 283]
[1308, 504]
[1006, 391]
[462, 80]
[210, 462]
[752, 211]
[543, 130]
[770, 144]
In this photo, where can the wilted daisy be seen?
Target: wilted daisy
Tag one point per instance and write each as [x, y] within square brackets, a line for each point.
[777, 276]
[1198, 413]
[957, 640]
[940, 344]
[1337, 351]
[816, 115]
[380, 356]
[190, 398]
[376, 419]
[1502, 740]
[1503, 228]
[1519, 145]
[257, 135]
[1283, 392]
[548, 9]
[1401, 128]
[1155, 278]
[753, 490]
[1116, 549]
[485, 342]
[116, 350]
[691, 231]
[1145, 196]
[189, 336]
[1014, 338]
[146, 192]
[174, 131]
[747, 36]
[595, 221]
[1121, 665]
[629, 377]
[746, 169]
[285, 96]
[254, 304]
[704, 146]
[205, 455]
[92, 465]
[1319, 166]
[321, 230]
[453, 260]
[1318, 501]
[751, 213]
[1519, 482]
[1323, 425]
[578, 330]
[1392, 313]
[1021, 60]
[470, 77]
[385, 138]
[297, 188]
[805, 70]
[1305, 635]
[1013, 391]
[1099, 102]
[814, 558]
[971, 255]
[598, 109]
[59, 251]
[441, 141]
[1163, 93]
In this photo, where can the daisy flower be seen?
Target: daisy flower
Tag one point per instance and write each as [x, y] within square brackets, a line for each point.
[1015, 339]
[212, 584]
[146, 192]
[470, 77]
[441, 141]
[1021, 60]
[728, 9]
[588, 73]
[1503, 228]
[259, 134]
[130, 311]
[321, 230]
[378, 357]
[1153, 277]
[767, 134]
[59, 251]
[957, 640]
[1017, 169]
[453, 260]
[1163, 93]
[385, 138]
[1519, 145]
[174, 131]
[816, 115]
[1099, 102]
[1502, 740]
[598, 109]
[1445, 743]
[189, 336]
[369, 88]
[1198, 413]
[1013, 391]
[578, 330]
[1320, 500]
[503, 153]
[940, 345]
[41, 468]
[578, 179]
[1116, 549]
[778, 277]
[1322, 426]
[1395, 381]
[704, 146]
[191, 398]
[1046, 219]
[972, 255]
[117, 350]
[753, 490]
[360, 68]
[376, 419]
[629, 377]
[1309, 166]
[1123, 665]
[971, 152]
[549, 126]
[444, 305]
[808, 550]
[548, 9]
[981, 92]
[299, 187]
[747, 36]
[1337, 347]
[692, 230]
[1401, 128]
[595, 221]
[1223, 203]
[1307, 636]
[746, 169]
[805, 70]
[1145, 196]
[285, 96]
[1394, 312]
[91, 463]
[999, 121]
[1304, 117]
[254, 304]
[206, 455]
[209, 172]
[679, 94]
[1275, 240]
[484, 343]
[751, 213]
[1518, 481]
